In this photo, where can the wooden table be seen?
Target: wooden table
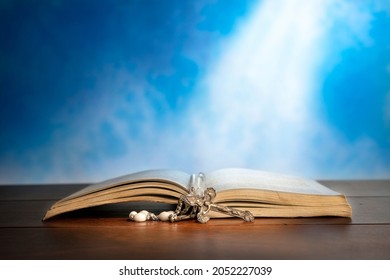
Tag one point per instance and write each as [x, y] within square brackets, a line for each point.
[105, 233]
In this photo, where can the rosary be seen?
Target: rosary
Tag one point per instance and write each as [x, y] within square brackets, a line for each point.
[195, 205]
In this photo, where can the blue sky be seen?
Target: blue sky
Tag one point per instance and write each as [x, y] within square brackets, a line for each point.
[91, 90]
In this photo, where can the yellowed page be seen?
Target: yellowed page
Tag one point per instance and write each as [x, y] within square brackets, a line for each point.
[164, 175]
[236, 178]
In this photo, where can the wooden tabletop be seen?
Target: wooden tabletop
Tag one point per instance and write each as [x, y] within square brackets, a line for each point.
[105, 232]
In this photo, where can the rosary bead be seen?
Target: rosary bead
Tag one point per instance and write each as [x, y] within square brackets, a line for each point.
[164, 216]
[140, 217]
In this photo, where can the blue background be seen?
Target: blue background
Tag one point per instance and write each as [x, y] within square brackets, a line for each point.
[90, 90]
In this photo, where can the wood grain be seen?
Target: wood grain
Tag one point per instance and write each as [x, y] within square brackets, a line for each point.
[105, 232]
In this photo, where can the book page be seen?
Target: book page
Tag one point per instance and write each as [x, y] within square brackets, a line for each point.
[177, 177]
[236, 178]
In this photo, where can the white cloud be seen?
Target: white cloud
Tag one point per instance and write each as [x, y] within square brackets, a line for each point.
[261, 105]
[260, 92]
[256, 108]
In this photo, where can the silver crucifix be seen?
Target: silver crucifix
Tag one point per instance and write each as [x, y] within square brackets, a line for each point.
[199, 202]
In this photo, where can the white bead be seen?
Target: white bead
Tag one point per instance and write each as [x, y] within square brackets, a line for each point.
[145, 212]
[140, 217]
[132, 214]
[164, 216]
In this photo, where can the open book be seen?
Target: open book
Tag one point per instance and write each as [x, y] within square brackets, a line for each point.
[264, 194]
